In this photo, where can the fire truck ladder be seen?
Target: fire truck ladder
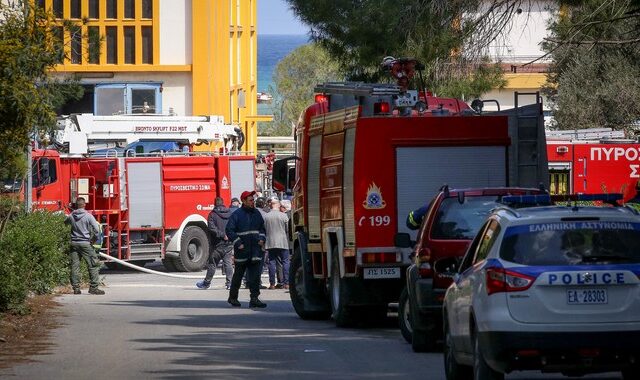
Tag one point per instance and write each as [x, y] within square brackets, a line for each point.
[529, 150]
[357, 88]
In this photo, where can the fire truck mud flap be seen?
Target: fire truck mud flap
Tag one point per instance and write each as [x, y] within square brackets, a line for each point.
[194, 250]
[307, 294]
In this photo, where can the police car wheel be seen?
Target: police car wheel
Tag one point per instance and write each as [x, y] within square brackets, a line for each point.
[481, 370]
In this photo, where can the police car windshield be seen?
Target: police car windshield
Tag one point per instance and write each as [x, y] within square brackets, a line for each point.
[572, 243]
[456, 220]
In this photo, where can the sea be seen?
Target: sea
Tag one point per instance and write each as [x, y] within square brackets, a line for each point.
[271, 49]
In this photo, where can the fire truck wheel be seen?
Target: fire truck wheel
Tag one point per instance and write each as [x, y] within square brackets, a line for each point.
[194, 250]
[404, 315]
[300, 295]
[169, 264]
[340, 292]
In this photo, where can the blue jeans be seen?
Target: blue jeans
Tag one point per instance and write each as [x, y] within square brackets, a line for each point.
[281, 256]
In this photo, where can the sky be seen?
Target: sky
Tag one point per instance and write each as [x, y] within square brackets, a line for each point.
[275, 17]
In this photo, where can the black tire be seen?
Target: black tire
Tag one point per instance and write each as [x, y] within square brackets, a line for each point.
[422, 339]
[169, 264]
[299, 293]
[481, 370]
[404, 315]
[194, 250]
[452, 369]
[340, 295]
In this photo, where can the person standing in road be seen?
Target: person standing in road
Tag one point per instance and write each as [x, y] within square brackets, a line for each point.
[275, 223]
[84, 231]
[221, 247]
[245, 229]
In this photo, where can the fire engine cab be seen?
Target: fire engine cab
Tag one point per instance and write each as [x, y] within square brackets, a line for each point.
[368, 154]
[593, 161]
[150, 205]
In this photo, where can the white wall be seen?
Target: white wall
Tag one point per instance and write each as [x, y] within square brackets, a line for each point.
[522, 40]
[175, 32]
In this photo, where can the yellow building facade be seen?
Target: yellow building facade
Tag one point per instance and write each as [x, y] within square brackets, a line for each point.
[184, 57]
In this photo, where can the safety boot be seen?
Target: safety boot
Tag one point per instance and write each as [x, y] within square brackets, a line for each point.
[255, 302]
[234, 302]
[96, 291]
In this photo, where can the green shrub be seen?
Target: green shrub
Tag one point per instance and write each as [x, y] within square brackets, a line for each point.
[33, 256]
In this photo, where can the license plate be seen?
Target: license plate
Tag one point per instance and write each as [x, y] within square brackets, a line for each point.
[381, 272]
[587, 296]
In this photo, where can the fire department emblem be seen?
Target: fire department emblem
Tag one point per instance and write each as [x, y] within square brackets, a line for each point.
[374, 198]
[225, 183]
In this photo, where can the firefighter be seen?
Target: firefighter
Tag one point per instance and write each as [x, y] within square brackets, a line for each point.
[84, 232]
[414, 219]
[245, 229]
[221, 248]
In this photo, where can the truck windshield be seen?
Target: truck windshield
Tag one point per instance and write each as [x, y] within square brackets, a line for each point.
[461, 221]
[572, 243]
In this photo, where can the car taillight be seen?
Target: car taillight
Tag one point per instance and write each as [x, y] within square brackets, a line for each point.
[424, 270]
[503, 280]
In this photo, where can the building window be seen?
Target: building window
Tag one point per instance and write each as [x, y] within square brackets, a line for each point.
[41, 4]
[57, 8]
[93, 49]
[129, 9]
[147, 44]
[112, 9]
[58, 33]
[147, 9]
[130, 44]
[112, 44]
[129, 98]
[94, 9]
[76, 44]
[75, 9]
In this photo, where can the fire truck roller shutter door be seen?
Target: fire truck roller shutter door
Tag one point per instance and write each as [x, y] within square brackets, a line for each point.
[421, 171]
[242, 176]
[145, 194]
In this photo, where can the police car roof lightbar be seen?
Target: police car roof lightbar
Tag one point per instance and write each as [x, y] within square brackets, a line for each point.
[539, 199]
[607, 198]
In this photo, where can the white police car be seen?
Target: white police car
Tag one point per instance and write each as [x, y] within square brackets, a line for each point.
[553, 288]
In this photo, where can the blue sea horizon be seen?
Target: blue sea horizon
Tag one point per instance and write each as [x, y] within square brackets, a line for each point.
[271, 49]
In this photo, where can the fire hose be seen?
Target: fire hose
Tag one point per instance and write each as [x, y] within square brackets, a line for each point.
[146, 270]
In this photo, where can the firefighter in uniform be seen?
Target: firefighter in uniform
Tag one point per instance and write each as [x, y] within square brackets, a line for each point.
[245, 229]
[414, 219]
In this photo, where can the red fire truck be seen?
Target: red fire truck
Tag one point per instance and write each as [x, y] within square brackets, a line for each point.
[151, 205]
[593, 161]
[368, 154]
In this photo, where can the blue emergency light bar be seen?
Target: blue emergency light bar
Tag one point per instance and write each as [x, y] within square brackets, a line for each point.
[612, 197]
[546, 199]
[538, 199]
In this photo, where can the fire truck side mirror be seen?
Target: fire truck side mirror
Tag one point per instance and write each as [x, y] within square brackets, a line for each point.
[283, 176]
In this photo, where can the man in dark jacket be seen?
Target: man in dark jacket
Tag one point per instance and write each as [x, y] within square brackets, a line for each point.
[84, 231]
[246, 230]
[221, 247]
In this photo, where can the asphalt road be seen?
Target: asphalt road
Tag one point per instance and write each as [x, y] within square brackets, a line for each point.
[148, 326]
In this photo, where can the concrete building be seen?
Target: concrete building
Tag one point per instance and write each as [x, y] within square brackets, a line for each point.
[188, 57]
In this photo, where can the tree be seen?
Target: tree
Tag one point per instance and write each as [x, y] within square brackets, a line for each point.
[594, 78]
[29, 48]
[294, 78]
[449, 37]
